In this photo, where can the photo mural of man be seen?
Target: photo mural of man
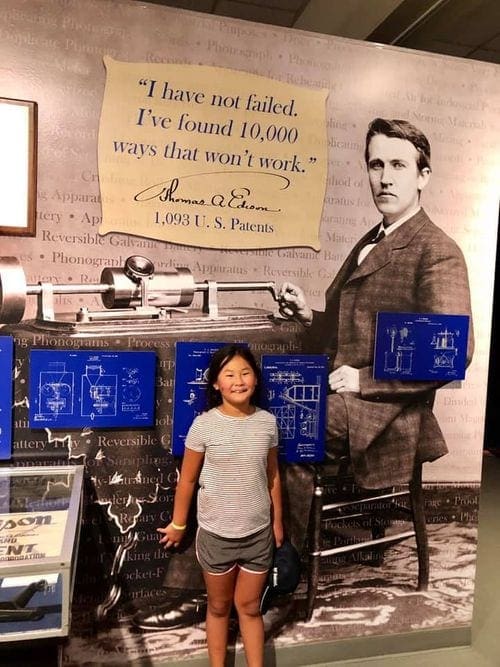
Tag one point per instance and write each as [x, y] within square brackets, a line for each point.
[404, 264]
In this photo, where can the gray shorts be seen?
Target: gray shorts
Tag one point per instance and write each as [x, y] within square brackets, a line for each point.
[219, 555]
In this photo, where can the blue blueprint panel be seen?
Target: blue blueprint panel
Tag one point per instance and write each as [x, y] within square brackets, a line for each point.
[418, 346]
[190, 386]
[6, 361]
[91, 388]
[295, 392]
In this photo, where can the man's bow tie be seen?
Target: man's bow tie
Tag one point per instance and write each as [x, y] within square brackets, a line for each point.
[379, 236]
[365, 250]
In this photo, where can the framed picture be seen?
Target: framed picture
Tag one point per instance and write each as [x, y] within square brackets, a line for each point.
[18, 167]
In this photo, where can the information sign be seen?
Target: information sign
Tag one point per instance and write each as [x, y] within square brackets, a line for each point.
[420, 346]
[190, 385]
[295, 392]
[6, 361]
[91, 388]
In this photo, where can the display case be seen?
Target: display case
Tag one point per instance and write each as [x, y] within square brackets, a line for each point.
[40, 513]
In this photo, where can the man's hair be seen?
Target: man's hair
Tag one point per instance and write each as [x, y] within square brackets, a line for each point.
[219, 359]
[401, 129]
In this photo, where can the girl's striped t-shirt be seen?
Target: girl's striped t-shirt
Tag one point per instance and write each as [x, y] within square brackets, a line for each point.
[233, 499]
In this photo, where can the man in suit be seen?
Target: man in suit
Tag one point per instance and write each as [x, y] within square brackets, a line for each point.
[413, 267]
[404, 264]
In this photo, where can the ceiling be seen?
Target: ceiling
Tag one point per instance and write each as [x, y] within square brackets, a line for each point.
[464, 28]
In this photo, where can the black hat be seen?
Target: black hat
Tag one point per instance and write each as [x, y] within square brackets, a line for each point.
[284, 575]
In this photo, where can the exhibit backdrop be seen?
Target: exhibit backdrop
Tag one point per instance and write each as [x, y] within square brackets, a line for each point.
[59, 54]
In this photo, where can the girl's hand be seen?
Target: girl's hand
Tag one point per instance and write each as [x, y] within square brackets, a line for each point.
[171, 536]
[278, 533]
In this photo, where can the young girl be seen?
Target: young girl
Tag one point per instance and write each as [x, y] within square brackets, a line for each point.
[231, 451]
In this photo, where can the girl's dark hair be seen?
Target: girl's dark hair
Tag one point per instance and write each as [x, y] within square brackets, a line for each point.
[218, 361]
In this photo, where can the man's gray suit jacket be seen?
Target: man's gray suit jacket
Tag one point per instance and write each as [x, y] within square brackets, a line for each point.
[415, 269]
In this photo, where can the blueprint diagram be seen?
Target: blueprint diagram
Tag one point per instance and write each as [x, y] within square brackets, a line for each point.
[191, 365]
[399, 357]
[6, 363]
[99, 389]
[56, 389]
[295, 392]
[100, 392]
[420, 346]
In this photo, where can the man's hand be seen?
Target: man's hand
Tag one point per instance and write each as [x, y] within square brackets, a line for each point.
[293, 305]
[344, 378]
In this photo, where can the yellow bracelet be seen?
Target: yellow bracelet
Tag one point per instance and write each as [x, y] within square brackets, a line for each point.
[174, 525]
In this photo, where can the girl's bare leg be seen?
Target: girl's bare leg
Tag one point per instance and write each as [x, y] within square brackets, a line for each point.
[247, 594]
[220, 592]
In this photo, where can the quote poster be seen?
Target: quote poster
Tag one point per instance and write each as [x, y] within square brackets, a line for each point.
[211, 157]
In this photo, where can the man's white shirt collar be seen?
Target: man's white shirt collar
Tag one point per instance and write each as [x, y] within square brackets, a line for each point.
[391, 228]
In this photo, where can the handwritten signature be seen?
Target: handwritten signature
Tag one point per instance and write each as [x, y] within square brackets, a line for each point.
[236, 197]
